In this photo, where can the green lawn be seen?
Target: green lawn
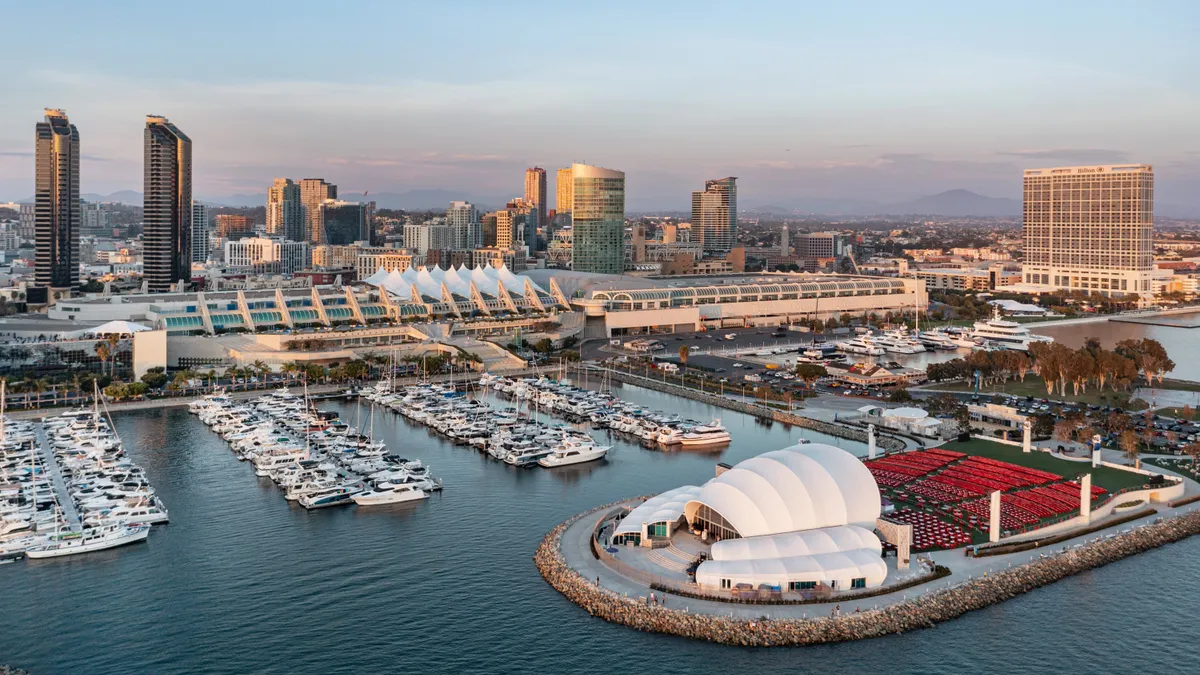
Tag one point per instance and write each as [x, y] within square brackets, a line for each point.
[1107, 478]
[1178, 414]
[1034, 386]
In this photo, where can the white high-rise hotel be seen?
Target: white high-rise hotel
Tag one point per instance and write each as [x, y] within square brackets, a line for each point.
[1090, 229]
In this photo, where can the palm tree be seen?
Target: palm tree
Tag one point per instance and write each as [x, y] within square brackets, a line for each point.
[103, 351]
[39, 386]
[289, 369]
[114, 341]
[211, 375]
[263, 370]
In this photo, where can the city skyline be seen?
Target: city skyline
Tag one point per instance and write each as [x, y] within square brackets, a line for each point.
[859, 127]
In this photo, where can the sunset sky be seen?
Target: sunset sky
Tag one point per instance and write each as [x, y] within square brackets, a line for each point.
[861, 100]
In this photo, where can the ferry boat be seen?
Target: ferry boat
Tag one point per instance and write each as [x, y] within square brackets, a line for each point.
[862, 344]
[1007, 334]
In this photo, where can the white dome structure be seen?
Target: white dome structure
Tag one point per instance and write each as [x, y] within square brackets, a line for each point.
[804, 487]
[794, 519]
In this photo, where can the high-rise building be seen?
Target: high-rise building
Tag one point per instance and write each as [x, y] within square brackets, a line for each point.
[525, 223]
[464, 219]
[598, 218]
[1090, 229]
[714, 215]
[506, 228]
[343, 222]
[56, 206]
[202, 224]
[285, 213]
[313, 192]
[535, 191]
[565, 184]
[167, 205]
[233, 225]
[785, 246]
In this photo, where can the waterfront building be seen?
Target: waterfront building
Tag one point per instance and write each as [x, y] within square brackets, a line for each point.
[1090, 229]
[714, 215]
[598, 219]
[672, 304]
[202, 224]
[464, 219]
[56, 208]
[792, 520]
[285, 211]
[386, 298]
[167, 205]
[267, 255]
[343, 222]
[535, 192]
[313, 193]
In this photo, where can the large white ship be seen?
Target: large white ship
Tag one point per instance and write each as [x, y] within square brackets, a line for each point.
[1008, 334]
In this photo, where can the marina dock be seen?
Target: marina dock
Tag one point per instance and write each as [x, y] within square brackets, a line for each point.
[52, 469]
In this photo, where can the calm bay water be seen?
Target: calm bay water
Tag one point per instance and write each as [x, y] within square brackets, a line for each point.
[243, 582]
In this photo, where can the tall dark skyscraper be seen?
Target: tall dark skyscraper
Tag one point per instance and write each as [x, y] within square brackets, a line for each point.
[714, 215]
[167, 217]
[56, 206]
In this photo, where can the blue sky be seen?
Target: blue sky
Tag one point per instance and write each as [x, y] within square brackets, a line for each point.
[860, 100]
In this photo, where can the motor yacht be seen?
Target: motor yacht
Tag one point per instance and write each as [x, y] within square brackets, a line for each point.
[862, 344]
[706, 434]
[1006, 334]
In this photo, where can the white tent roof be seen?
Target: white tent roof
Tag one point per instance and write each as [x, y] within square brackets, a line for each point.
[910, 414]
[483, 282]
[664, 508]
[427, 285]
[118, 328]
[801, 488]
[456, 283]
[376, 278]
[841, 567]
[791, 544]
[436, 272]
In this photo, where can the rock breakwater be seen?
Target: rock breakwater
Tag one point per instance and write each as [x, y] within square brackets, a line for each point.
[923, 611]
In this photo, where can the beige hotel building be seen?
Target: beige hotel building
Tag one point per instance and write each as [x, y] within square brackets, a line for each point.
[1090, 228]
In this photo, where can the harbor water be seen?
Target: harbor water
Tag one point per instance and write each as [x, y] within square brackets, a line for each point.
[242, 581]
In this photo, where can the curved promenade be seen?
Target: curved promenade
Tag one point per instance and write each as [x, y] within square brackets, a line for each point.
[922, 611]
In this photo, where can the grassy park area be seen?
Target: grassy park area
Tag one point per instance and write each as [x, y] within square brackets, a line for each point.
[1035, 387]
[1107, 478]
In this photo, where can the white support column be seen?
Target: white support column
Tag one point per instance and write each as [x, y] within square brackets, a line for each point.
[1097, 455]
[870, 441]
[1085, 497]
[994, 518]
[1027, 440]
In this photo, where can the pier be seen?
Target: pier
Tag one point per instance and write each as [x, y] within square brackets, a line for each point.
[52, 469]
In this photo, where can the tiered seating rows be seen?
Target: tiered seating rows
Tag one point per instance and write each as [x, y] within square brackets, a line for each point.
[895, 470]
[930, 532]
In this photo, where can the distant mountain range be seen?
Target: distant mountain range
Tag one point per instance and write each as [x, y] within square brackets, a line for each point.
[954, 203]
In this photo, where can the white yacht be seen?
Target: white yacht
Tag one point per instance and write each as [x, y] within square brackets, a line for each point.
[712, 433]
[390, 493]
[862, 344]
[898, 342]
[573, 454]
[92, 539]
[1007, 334]
[937, 339]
